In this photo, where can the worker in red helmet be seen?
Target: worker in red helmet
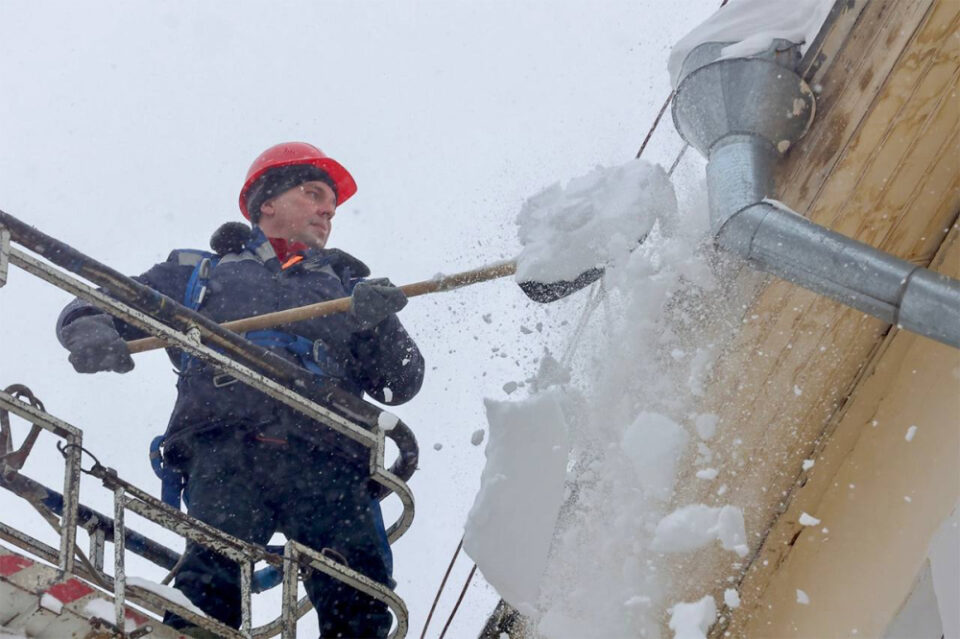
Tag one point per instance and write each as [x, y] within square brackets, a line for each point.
[251, 466]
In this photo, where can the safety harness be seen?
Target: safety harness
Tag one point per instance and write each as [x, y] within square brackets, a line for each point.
[312, 355]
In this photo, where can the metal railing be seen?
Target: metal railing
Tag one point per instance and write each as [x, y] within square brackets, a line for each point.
[254, 366]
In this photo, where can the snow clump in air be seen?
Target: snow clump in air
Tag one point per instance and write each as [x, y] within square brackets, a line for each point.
[597, 219]
[510, 525]
[575, 550]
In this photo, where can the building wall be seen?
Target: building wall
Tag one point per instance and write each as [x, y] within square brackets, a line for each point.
[879, 497]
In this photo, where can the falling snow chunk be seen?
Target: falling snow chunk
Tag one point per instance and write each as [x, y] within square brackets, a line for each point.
[706, 424]
[802, 598]
[509, 387]
[512, 521]
[707, 473]
[653, 442]
[797, 390]
[808, 520]
[731, 597]
[693, 620]
[808, 464]
[692, 527]
[477, 437]
[438, 446]
[387, 420]
[910, 433]
[387, 394]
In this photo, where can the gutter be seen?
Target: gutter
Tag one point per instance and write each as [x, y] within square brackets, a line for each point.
[742, 114]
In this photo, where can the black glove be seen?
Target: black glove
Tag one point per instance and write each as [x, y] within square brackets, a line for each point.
[95, 345]
[375, 300]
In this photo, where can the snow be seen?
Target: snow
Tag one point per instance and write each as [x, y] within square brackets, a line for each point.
[477, 437]
[707, 425]
[751, 26]
[632, 414]
[387, 420]
[597, 219]
[51, 603]
[691, 527]
[803, 598]
[387, 392]
[808, 464]
[509, 528]
[911, 432]
[808, 520]
[731, 597]
[707, 473]
[653, 442]
[692, 620]
[166, 592]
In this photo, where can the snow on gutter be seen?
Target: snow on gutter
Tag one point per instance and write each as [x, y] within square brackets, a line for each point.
[742, 113]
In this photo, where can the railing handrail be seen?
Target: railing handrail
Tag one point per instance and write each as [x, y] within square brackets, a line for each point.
[268, 374]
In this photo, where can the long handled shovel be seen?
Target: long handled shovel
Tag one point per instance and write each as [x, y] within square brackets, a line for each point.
[543, 292]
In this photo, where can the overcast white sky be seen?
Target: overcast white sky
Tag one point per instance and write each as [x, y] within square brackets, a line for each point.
[126, 130]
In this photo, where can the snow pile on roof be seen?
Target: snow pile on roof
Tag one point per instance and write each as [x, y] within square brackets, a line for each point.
[579, 558]
[751, 26]
[509, 528]
[596, 220]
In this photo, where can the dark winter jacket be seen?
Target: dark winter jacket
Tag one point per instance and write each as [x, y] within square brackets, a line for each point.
[383, 361]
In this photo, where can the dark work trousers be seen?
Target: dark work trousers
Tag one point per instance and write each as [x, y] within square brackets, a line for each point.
[251, 489]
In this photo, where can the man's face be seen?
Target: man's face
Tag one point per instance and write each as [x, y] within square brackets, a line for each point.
[301, 214]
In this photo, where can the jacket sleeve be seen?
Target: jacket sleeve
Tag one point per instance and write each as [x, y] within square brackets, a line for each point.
[169, 277]
[387, 362]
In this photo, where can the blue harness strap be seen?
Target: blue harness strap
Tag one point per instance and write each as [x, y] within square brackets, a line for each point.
[312, 355]
[171, 481]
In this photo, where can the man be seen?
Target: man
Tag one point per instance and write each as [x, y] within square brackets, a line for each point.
[251, 466]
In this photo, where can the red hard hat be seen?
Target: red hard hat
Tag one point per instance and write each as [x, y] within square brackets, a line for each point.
[290, 153]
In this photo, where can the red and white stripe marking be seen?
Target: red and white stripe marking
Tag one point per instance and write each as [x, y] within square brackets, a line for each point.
[62, 610]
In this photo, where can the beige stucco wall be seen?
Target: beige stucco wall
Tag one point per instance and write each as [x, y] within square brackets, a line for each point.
[879, 497]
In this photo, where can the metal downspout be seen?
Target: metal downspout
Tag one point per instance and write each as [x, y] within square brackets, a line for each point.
[741, 114]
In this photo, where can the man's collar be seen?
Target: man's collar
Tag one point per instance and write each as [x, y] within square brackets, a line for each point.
[281, 249]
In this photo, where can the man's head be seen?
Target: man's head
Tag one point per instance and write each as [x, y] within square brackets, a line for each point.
[287, 166]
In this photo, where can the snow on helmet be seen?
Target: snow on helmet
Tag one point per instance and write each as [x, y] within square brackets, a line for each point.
[295, 153]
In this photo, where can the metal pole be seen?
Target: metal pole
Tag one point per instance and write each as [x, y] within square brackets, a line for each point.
[291, 571]
[71, 499]
[119, 571]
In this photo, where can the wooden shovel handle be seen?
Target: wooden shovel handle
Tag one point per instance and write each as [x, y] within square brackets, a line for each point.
[321, 309]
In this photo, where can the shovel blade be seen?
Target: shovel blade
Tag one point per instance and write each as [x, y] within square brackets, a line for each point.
[546, 292]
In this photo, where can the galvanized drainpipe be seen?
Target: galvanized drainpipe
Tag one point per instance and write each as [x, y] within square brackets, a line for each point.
[742, 114]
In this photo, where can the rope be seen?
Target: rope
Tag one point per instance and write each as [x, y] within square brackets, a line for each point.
[459, 599]
[593, 301]
[653, 127]
[440, 589]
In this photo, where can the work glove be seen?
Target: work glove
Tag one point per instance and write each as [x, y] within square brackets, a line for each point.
[95, 345]
[375, 300]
